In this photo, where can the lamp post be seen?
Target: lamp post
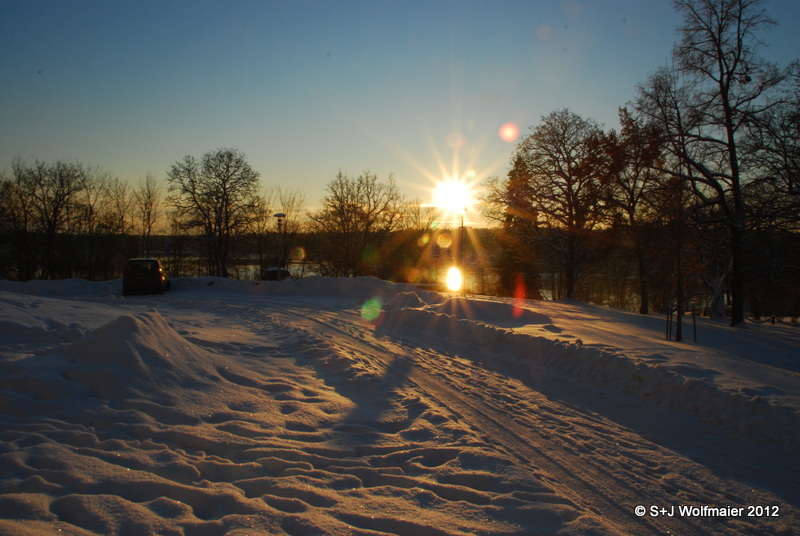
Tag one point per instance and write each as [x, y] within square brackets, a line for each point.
[462, 243]
[282, 232]
[453, 196]
[462, 235]
[455, 275]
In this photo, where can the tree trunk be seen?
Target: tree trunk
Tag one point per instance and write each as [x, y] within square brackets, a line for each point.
[571, 268]
[737, 276]
[644, 288]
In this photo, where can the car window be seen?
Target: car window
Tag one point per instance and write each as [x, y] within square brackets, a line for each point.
[143, 265]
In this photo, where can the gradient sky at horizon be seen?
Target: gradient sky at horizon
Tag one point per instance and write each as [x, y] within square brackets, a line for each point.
[418, 89]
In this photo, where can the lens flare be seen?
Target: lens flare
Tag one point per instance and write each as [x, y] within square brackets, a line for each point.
[444, 240]
[372, 309]
[509, 132]
[455, 140]
[298, 254]
[454, 279]
[519, 295]
[412, 275]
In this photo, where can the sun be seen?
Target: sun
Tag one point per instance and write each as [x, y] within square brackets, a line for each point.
[453, 196]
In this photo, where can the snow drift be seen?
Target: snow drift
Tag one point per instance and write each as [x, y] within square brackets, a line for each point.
[138, 355]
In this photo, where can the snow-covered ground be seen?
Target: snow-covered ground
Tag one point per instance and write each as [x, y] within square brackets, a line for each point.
[356, 406]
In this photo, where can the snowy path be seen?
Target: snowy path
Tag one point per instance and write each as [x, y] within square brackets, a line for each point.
[217, 410]
[559, 437]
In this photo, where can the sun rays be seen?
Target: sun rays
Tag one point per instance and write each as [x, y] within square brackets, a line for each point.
[444, 169]
[453, 197]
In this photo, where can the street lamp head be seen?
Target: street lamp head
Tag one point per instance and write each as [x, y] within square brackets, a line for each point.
[454, 279]
[282, 231]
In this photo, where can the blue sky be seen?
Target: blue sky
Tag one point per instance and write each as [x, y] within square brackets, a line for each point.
[418, 89]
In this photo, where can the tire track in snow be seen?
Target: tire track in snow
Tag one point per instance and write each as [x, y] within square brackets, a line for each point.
[563, 470]
[392, 462]
[539, 439]
[553, 439]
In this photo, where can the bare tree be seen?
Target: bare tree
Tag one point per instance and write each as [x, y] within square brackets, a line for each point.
[554, 192]
[90, 214]
[7, 226]
[776, 150]
[356, 217]
[217, 196]
[291, 203]
[420, 216]
[718, 87]
[275, 243]
[119, 207]
[632, 156]
[148, 198]
[263, 229]
[48, 192]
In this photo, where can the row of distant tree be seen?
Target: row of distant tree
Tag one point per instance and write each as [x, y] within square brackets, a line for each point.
[67, 220]
[63, 219]
[695, 201]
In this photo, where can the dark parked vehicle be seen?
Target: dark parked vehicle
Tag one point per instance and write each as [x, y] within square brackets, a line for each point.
[144, 276]
[277, 274]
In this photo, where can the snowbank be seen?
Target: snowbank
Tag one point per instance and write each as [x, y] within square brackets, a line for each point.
[751, 416]
[493, 313]
[357, 288]
[63, 287]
